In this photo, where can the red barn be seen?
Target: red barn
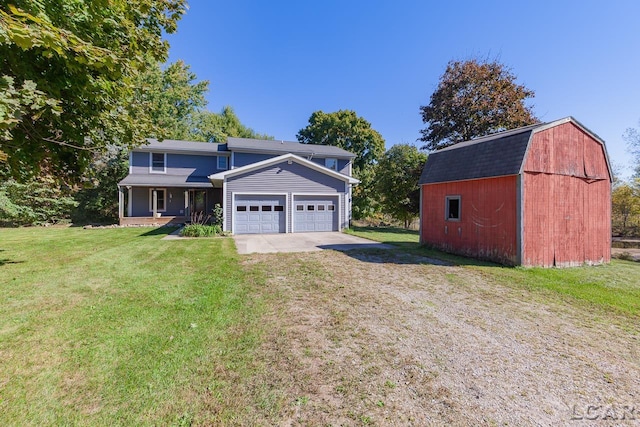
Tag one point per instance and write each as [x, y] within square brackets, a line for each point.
[536, 196]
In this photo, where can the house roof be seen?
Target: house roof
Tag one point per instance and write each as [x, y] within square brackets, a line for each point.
[162, 180]
[221, 176]
[277, 147]
[172, 145]
[499, 154]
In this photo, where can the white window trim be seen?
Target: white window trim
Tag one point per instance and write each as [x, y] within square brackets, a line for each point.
[226, 159]
[164, 190]
[164, 170]
[446, 208]
[334, 159]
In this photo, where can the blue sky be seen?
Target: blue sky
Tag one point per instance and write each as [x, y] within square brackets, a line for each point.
[276, 62]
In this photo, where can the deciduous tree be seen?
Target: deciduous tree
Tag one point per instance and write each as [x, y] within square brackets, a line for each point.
[474, 99]
[216, 127]
[67, 76]
[174, 97]
[632, 136]
[625, 205]
[397, 176]
[345, 129]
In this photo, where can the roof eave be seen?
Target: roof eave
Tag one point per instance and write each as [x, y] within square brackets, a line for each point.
[221, 176]
[345, 155]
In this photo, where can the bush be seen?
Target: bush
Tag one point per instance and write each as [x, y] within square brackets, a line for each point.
[199, 230]
[35, 202]
[98, 199]
[217, 215]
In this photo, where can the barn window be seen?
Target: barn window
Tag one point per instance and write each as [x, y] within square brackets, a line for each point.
[452, 208]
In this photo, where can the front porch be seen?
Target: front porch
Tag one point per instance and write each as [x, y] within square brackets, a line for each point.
[143, 205]
[149, 220]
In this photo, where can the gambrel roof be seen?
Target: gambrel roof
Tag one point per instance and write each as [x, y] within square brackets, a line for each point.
[499, 154]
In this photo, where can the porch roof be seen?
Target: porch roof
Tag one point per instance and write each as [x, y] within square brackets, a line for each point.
[161, 180]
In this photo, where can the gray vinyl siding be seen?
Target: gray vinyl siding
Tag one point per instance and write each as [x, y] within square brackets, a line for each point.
[244, 159]
[178, 164]
[283, 178]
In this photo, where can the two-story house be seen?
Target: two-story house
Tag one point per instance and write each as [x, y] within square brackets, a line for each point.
[263, 186]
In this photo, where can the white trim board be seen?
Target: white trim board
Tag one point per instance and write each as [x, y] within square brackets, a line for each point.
[275, 160]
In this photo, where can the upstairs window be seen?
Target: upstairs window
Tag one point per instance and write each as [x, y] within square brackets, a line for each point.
[158, 162]
[331, 163]
[223, 163]
[452, 208]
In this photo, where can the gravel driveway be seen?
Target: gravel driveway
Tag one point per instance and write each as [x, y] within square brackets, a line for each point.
[386, 339]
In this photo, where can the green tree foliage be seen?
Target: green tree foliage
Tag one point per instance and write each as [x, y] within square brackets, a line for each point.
[216, 127]
[98, 197]
[35, 202]
[625, 207]
[346, 130]
[474, 99]
[175, 99]
[177, 107]
[397, 177]
[67, 76]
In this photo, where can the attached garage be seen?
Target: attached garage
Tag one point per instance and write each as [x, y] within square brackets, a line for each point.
[284, 194]
[315, 213]
[260, 214]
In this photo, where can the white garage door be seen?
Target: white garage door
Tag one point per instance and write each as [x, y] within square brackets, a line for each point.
[259, 214]
[315, 213]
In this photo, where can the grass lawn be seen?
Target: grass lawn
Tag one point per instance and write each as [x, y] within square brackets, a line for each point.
[613, 288]
[118, 327]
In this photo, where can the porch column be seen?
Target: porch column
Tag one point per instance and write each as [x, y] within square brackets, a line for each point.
[154, 202]
[120, 202]
[187, 214]
[129, 202]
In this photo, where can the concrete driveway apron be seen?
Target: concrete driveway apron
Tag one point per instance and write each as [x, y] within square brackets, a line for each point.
[302, 242]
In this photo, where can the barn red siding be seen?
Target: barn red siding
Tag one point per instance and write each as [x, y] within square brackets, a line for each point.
[487, 226]
[566, 199]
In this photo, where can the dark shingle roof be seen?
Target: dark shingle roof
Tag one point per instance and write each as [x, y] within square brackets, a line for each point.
[181, 146]
[161, 180]
[499, 154]
[282, 147]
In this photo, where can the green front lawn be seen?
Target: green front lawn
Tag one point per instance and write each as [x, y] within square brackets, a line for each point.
[119, 327]
[115, 326]
[614, 287]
